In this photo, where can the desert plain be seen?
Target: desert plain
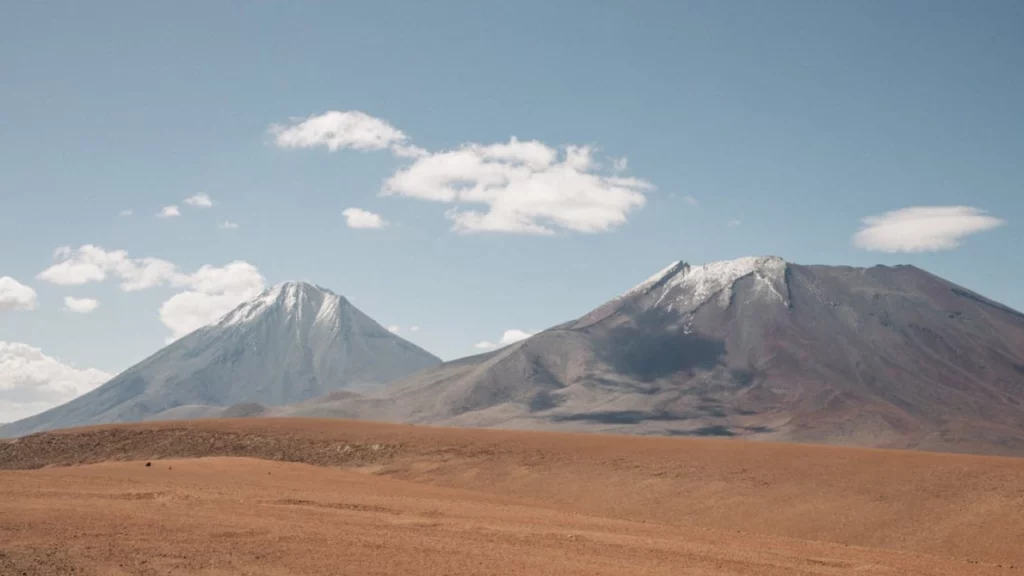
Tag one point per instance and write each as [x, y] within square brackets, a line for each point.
[335, 497]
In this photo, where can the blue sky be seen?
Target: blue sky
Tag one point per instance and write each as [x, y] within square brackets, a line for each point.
[749, 128]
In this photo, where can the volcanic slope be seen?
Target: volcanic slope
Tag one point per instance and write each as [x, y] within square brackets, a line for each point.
[757, 348]
[291, 343]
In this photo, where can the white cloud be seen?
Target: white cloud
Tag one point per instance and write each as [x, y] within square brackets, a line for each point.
[690, 200]
[86, 264]
[923, 228]
[169, 212]
[90, 263]
[357, 218]
[16, 296]
[408, 151]
[199, 201]
[734, 223]
[513, 336]
[211, 293]
[145, 273]
[524, 187]
[414, 329]
[81, 305]
[208, 293]
[228, 225]
[335, 130]
[31, 382]
[510, 336]
[125, 213]
[394, 329]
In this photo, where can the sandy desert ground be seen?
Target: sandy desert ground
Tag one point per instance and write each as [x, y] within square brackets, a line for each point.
[280, 496]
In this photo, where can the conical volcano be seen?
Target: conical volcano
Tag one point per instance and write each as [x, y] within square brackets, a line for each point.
[293, 342]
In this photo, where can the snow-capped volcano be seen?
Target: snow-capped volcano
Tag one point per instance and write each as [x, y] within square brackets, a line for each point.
[757, 347]
[293, 342]
[295, 299]
[685, 288]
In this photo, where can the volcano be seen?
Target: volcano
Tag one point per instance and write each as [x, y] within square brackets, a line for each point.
[757, 348]
[293, 342]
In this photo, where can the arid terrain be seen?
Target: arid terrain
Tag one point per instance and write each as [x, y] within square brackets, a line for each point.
[290, 496]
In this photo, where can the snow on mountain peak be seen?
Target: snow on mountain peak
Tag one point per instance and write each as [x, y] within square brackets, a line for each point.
[712, 278]
[694, 285]
[292, 297]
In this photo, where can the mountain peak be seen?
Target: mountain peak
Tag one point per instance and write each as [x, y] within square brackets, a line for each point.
[297, 285]
[293, 297]
[293, 289]
[707, 279]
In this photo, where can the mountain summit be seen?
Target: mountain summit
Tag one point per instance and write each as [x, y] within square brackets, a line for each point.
[293, 342]
[755, 347]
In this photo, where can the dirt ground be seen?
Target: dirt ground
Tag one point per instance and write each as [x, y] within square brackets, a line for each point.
[275, 497]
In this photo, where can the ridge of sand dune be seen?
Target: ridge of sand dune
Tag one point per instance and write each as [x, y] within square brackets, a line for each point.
[664, 505]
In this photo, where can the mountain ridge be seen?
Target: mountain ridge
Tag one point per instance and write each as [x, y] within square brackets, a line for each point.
[756, 347]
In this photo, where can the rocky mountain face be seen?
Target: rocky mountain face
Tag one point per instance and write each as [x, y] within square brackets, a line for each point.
[292, 343]
[757, 348]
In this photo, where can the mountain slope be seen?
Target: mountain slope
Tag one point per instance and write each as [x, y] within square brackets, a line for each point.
[292, 343]
[756, 347]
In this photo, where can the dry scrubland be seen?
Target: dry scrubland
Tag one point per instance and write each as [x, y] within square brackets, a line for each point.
[279, 496]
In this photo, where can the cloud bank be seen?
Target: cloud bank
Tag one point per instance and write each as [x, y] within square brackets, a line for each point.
[32, 382]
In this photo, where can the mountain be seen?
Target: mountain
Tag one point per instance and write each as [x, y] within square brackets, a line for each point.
[758, 348]
[293, 342]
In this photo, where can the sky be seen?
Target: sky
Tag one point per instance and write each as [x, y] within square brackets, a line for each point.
[468, 173]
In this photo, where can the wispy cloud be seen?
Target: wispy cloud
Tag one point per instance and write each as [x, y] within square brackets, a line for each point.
[81, 305]
[923, 228]
[510, 336]
[169, 212]
[336, 130]
[358, 218]
[199, 201]
[228, 225]
[734, 223]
